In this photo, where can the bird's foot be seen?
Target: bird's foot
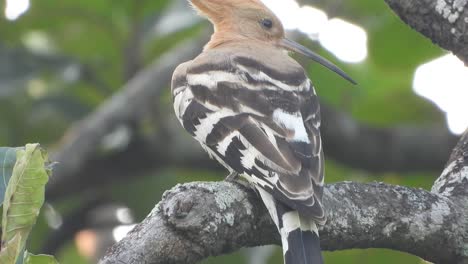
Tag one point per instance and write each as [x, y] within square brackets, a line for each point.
[232, 177]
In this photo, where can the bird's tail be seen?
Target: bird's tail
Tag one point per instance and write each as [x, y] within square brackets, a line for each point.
[301, 244]
[299, 236]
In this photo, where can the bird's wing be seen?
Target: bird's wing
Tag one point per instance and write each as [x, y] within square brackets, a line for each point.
[259, 122]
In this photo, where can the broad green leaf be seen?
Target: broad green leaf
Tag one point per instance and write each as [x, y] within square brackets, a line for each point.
[7, 162]
[25, 193]
[38, 259]
[9, 253]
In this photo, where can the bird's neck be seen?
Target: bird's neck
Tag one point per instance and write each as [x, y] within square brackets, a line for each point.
[221, 38]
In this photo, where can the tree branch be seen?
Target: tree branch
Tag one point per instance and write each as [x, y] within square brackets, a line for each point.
[454, 179]
[445, 22]
[197, 220]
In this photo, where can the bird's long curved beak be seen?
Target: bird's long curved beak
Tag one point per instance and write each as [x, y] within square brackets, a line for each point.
[295, 47]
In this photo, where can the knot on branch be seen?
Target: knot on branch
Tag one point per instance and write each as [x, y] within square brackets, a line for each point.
[207, 213]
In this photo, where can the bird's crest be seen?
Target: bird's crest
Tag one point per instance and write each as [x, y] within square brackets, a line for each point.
[217, 10]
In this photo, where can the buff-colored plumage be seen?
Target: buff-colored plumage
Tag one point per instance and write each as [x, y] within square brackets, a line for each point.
[232, 21]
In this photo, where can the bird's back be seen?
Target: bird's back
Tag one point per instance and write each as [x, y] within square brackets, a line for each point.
[253, 108]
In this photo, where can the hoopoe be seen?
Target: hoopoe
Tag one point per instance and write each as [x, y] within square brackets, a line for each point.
[253, 109]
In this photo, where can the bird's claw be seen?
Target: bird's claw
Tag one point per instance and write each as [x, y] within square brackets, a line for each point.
[232, 177]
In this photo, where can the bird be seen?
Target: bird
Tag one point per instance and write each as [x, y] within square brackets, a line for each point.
[253, 109]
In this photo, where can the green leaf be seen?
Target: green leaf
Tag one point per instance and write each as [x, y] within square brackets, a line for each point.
[38, 259]
[7, 162]
[9, 252]
[25, 194]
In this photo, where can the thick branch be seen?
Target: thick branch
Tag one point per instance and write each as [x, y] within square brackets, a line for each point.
[445, 22]
[197, 220]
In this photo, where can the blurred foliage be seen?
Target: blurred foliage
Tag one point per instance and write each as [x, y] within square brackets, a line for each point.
[62, 59]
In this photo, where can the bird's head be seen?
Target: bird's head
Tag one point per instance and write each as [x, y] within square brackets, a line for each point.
[248, 19]
[240, 20]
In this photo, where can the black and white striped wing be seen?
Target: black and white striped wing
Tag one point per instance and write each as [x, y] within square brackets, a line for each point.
[258, 122]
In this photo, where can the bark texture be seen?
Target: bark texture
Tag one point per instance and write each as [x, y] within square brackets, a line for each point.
[445, 22]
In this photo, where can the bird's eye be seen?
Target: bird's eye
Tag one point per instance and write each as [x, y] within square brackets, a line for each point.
[267, 23]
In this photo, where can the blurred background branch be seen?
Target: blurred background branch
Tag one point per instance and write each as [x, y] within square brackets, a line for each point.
[135, 102]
